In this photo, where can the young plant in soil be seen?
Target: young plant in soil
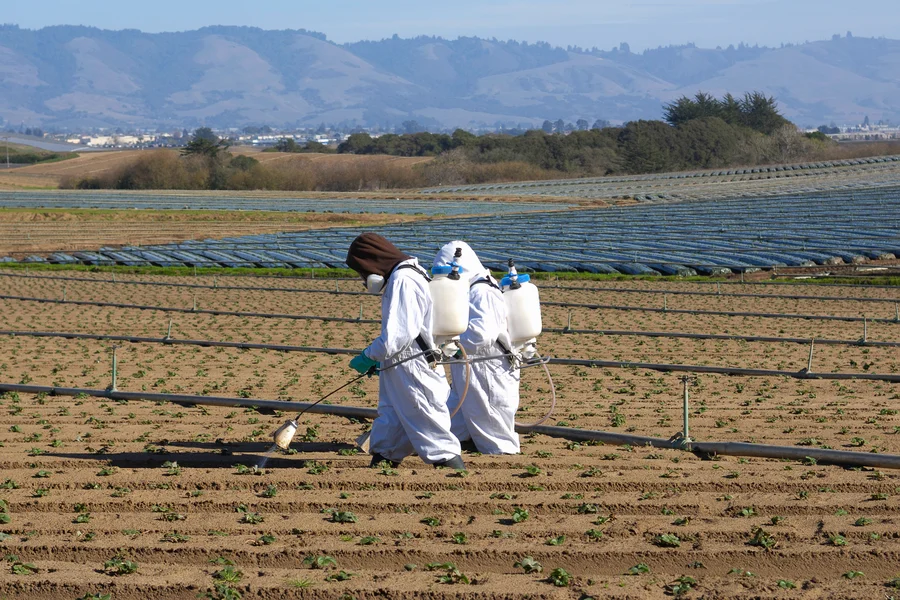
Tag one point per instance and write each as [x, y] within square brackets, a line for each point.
[451, 575]
[118, 565]
[320, 561]
[529, 565]
[559, 577]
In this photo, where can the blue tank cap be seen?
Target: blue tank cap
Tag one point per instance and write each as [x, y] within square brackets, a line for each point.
[523, 278]
[444, 270]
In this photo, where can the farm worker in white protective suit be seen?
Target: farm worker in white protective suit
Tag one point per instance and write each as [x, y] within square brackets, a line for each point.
[412, 396]
[488, 412]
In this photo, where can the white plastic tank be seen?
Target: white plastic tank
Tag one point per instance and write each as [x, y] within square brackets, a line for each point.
[524, 304]
[450, 294]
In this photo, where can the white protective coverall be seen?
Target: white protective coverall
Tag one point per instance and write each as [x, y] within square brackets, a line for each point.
[412, 397]
[488, 413]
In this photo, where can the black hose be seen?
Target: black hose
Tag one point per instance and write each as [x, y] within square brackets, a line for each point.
[838, 457]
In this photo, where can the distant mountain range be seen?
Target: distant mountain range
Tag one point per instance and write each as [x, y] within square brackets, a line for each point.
[78, 77]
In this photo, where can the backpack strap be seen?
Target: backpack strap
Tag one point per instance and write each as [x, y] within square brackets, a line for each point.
[487, 281]
[414, 268]
[431, 355]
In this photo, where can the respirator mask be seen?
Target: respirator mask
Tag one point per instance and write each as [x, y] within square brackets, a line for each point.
[374, 284]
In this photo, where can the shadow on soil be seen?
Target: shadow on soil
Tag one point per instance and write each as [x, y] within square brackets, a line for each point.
[211, 455]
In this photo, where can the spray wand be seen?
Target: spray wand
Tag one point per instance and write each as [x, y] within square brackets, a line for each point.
[285, 434]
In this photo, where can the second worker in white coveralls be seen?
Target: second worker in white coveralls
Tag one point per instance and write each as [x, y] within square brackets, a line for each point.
[412, 394]
[488, 412]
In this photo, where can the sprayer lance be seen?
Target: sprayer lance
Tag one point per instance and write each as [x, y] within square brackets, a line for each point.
[284, 435]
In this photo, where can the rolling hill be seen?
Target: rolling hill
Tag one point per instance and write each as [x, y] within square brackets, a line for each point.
[79, 77]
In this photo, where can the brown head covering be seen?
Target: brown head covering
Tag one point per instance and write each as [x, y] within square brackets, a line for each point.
[372, 254]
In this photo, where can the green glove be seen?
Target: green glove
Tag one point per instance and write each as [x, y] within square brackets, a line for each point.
[362, 364]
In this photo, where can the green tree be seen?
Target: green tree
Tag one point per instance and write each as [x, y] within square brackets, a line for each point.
[205, 133]
[286, 145]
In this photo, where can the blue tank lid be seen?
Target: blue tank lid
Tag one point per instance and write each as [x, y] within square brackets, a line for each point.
[523, 278]
[444, 270]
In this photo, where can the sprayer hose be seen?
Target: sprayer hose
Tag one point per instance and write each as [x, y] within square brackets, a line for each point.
[462, 397]
[552, 401]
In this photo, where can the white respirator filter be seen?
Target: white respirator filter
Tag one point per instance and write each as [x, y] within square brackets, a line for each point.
[374, 284]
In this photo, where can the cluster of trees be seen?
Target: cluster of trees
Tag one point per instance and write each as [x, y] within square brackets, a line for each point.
[699, 132]
[755, 111]
[291, 145]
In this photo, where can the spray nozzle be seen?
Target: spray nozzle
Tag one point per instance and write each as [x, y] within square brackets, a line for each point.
[454, 266]
[513, 276]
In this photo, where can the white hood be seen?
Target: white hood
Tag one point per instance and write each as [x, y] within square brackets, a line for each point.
[469, 263]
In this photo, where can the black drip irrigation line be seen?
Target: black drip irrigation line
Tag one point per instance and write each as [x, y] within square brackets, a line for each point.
[288, 348]
[724, 295]
[378, 321]
[349, 293]
[703, 449]
[723, 337]
[199, 311]
[169, 341]
[665, 368]
[720, 313]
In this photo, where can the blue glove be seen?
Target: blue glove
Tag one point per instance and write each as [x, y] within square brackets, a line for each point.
[362, 364]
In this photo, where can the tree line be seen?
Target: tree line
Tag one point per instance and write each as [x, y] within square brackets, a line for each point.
[697, 133]
[701, 132]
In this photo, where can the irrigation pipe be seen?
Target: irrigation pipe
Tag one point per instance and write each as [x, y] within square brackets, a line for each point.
[838, 457]
[564, 330]
[199, 311]
[723, 295]
[804, 374]
[375, 321]
[191, 285]
[549, 287]
[665, 368]
[720, 313]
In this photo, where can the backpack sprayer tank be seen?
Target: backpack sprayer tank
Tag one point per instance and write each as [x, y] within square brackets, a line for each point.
[450, 294]
[524, 305]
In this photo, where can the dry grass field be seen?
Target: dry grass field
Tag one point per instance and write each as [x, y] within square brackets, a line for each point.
[172, 488]
[50, 175]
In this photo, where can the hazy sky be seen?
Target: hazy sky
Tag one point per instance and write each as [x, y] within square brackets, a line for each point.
[586, 23]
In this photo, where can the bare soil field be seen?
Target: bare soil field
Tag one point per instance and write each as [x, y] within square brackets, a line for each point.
[172, 488]
[26, 231]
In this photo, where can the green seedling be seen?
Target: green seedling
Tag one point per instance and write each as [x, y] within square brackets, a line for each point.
[529, 565]
[451, 575]
[431, 521]
[118, 565]
[340, 516]
[229, 574]
[532, 471]
[559, 577]
[556, 541]
[638, 569]
[339, 576]
[369, 540]
[667, 540]
[252, 518]
[320, 561]
[520, 514]
[763, 539]
[681, 586]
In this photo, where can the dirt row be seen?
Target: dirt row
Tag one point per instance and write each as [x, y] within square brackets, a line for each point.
[174, 488]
